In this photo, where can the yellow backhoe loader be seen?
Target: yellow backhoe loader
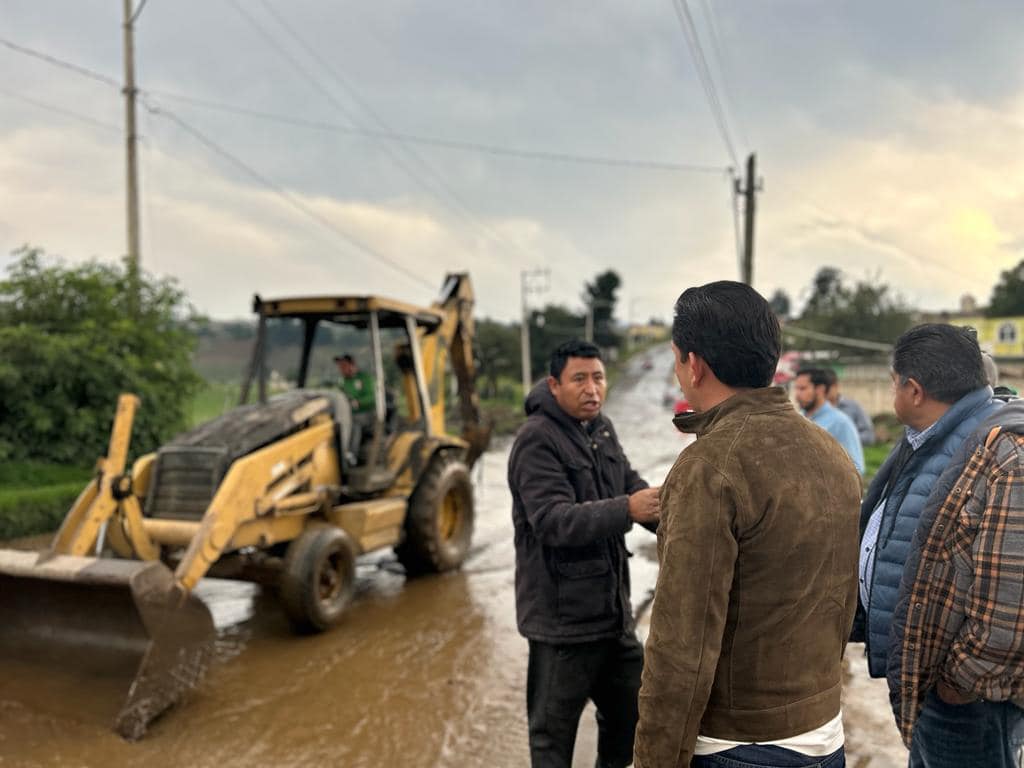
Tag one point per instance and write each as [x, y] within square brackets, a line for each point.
[276, 491]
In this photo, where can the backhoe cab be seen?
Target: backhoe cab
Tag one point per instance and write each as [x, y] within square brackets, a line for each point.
[275, 491]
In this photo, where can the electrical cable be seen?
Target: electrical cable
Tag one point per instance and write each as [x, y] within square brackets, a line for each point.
[285, 195]
[704, 75]
[455, 144]
[61, 111]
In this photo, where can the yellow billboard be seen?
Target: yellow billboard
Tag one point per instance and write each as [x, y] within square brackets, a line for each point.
[1001, 337]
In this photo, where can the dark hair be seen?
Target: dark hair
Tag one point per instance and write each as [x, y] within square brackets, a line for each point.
[572, 348]
[732, 328]
[944, 359]
[344, 359]
[820, 377]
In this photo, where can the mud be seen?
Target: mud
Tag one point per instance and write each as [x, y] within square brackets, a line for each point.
[424, 673]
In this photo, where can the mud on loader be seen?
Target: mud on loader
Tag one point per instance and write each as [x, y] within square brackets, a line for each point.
[272, 491]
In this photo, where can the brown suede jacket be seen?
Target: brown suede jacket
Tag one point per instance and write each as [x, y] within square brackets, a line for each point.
[757, 584]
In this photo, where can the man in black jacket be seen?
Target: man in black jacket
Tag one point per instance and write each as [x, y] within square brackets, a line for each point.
[574, 497]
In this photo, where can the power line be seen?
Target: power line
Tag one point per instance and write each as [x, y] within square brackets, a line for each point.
[137, 12]
[61, 111]
[454, 201]
[398, 136]
[841, 340]
[704, 74]
[456, 144]
[717, 55]
[284, 194]
[91, 74]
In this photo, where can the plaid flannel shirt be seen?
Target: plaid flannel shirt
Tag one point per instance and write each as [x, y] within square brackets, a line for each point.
[965, 621]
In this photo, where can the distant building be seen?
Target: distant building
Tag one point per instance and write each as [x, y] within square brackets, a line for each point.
[646, 334]
[1001, 337]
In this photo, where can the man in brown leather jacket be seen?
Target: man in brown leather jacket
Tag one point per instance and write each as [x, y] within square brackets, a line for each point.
[757, 547]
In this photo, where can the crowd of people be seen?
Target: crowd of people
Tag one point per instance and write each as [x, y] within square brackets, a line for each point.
[773, 557]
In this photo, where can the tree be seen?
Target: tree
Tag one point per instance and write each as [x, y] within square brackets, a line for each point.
[497, 352]
[868, 311]
[600, 295]
[72, 339]
[550, 327]
[780, 303]
[1008, 294]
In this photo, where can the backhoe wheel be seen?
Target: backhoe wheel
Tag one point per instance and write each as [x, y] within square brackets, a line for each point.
[319, 578]
[439, 523]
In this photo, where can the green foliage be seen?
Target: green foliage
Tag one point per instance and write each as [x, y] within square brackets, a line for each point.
[497, 355]
[28, 511]
[549, 328]
[874, 456]
[1008, 294]
[600, 294]
[35, 496]
[72, 339]
[780, 303]
[868, 310]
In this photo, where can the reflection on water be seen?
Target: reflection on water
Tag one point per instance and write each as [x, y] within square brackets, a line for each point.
[424, 673]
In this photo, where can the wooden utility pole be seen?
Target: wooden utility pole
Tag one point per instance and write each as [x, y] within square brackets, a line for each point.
[749, 193]
[131, 165]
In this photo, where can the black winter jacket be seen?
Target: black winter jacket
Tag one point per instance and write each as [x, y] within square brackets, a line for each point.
[570, 485]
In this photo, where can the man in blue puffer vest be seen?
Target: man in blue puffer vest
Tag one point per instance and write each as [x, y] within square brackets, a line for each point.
[940, 394]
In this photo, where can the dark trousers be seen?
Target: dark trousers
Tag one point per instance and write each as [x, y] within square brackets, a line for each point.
[767, 756]
[559, 681]
[983, 734]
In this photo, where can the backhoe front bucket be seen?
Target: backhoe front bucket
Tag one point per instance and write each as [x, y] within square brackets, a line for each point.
[118, 638]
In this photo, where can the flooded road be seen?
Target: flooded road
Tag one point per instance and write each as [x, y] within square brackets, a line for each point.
[425, 673]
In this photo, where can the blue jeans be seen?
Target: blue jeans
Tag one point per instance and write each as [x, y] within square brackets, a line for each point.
[767, 756]
[982, 734]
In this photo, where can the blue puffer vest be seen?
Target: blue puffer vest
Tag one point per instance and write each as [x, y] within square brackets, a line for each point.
[905, 500]
[1009, 418]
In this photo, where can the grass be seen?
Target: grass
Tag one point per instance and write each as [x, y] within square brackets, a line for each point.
[35, 496]
[874, 455]
[213, 399]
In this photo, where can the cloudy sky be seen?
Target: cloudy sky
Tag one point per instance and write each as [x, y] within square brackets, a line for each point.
[317, 146]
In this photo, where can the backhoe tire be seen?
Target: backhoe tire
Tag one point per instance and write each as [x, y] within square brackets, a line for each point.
[318, 579]
[439, 523]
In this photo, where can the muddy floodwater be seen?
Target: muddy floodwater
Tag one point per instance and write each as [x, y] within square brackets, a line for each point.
[424, 673]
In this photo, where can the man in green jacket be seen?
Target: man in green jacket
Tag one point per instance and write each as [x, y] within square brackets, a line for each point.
[757, 548]
[359, 387]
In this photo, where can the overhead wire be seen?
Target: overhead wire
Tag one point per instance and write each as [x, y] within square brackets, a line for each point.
[845, 341]
[704, 75]
[454, 144]
[291, 199]
[84, 71]
[437, 185]
[61, 111]
[718, 55]
[398, 136]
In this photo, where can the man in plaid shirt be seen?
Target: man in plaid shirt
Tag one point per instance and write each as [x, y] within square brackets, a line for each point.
[956, 665]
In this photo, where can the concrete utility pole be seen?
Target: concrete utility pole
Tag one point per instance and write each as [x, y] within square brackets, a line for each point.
[525, 288]
[131, 165]
[749, 192]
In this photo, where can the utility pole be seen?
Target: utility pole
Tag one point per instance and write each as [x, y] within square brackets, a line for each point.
[525, 288]
[131, 165]
[749, 193]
